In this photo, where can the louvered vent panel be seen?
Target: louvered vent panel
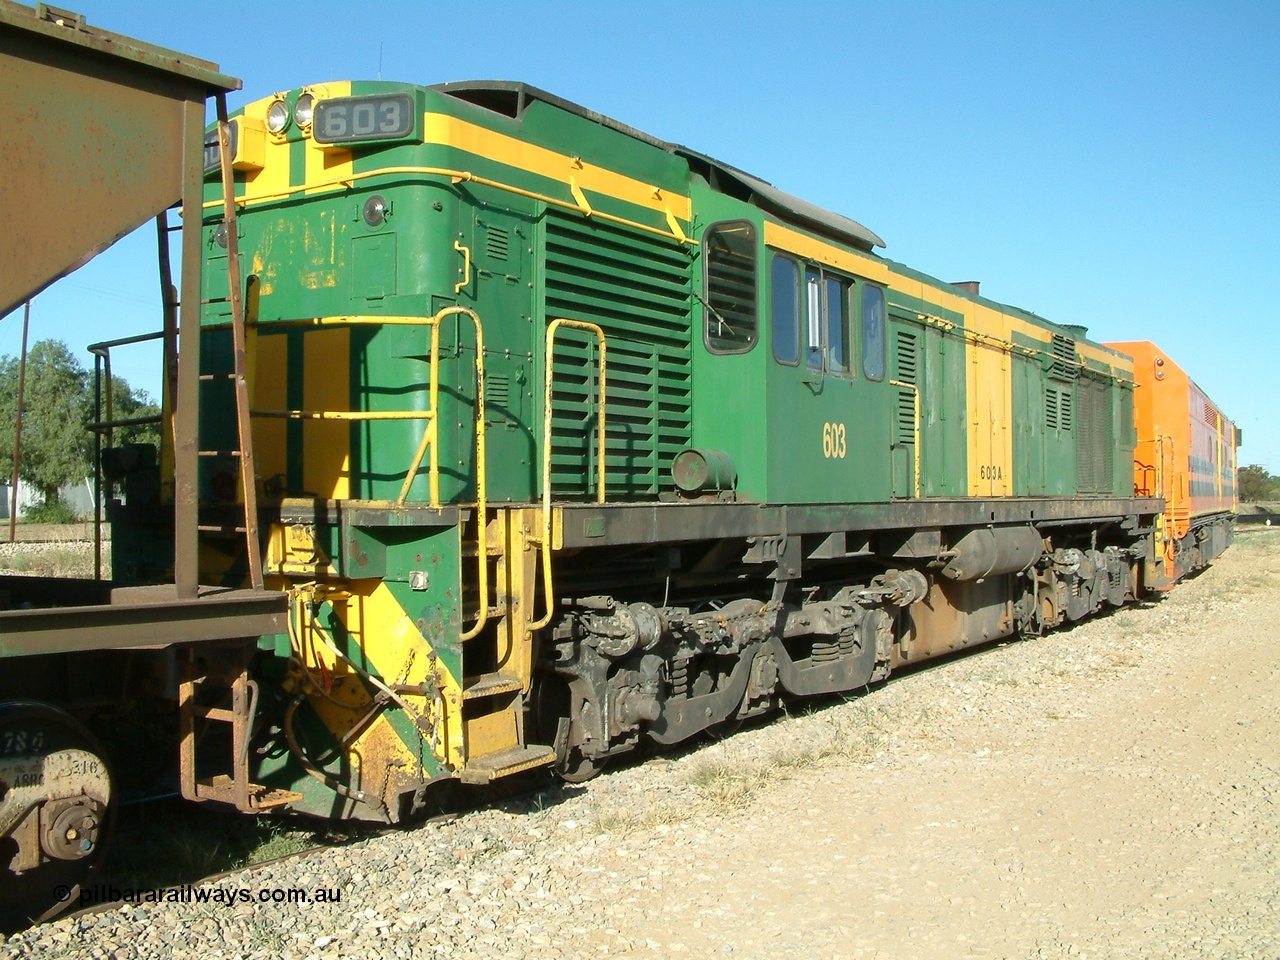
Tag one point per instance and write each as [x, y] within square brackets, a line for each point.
[907, 363]
[1066, 362]
[496, 243]
[497, 389]
[636, 287]
[1051, 408]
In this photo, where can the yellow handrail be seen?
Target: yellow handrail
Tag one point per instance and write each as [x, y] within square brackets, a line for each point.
[429, 435]
[429, 415]
[455, 176]
[548, 378]
[482, 490]
[915, 437]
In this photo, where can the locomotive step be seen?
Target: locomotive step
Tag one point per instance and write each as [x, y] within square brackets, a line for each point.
[489, 684]
[504, 763]
[223, 789]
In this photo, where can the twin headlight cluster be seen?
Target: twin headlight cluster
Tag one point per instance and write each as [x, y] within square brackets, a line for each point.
[278, 114]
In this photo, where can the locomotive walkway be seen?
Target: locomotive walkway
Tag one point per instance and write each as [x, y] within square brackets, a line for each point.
[1109, 791]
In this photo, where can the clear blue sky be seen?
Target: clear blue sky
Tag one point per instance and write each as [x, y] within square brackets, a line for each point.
[1115, 165]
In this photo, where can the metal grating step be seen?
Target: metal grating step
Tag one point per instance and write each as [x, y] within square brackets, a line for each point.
[223, 789]
[491, 766]
[489, 684]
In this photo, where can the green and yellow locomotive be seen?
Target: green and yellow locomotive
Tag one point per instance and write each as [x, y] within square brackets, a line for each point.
[565, 438]
[500, 436]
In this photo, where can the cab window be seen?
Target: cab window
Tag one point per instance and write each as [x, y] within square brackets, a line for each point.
[836, 290]
[785, 304]
[873, 322]
[730, 264]
[813, 315]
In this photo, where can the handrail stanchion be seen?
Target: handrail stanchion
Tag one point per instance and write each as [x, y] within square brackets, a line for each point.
[548, 378]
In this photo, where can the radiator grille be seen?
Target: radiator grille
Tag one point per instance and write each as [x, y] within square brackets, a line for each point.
[1094, 448]
[637, 288]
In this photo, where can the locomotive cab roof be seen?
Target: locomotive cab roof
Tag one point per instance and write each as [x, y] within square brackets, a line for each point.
[512, 98]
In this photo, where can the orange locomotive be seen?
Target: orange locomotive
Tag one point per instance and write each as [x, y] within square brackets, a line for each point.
[1186, 453]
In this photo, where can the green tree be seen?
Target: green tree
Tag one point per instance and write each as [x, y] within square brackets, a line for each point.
[1257, 484]
[55, 445]
[129, 404]
[57, 449]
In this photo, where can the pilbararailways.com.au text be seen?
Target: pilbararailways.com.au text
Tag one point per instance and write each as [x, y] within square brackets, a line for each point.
[101, 893]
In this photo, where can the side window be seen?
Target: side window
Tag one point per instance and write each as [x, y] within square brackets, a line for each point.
[786, 309]
[837, 291]
[873, 323]
[729, 255]
[813, 304]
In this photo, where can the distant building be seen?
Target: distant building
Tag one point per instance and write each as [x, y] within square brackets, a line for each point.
[78, 496]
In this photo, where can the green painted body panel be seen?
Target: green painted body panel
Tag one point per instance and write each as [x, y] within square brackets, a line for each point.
[828, 431]
[730, 391]
[1044, 447]
[933, 360]
[436, 611]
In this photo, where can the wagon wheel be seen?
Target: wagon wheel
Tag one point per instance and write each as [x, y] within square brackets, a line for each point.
[57, 809]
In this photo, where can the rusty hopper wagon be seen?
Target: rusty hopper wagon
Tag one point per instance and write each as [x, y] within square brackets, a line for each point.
[106, 133]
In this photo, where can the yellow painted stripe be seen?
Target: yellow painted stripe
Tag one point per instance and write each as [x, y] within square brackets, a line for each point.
[388, 637]
[988, 354]
[274, 175]
[803, 245]
[451, 131]
[326, 386]
[326, 164]
[979, 318]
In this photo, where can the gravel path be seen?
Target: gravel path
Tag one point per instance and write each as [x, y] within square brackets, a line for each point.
[1109, 791]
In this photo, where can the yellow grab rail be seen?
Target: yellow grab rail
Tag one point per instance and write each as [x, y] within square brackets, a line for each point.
[548, 378]
[429, 415]
[482, 491]
[429, 435]
[346, 181]
[915, 437]
[466, 267]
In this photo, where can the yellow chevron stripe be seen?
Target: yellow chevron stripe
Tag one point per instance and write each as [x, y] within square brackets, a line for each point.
[451, 131]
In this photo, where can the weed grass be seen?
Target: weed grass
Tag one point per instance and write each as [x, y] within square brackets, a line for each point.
[72, 558]
[847, 735]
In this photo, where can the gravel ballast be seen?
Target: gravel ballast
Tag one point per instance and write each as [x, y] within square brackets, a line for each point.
[1108, 791]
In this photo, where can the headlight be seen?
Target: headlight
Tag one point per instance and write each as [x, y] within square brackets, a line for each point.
[277, 116]
[375, 210]
[302, 110]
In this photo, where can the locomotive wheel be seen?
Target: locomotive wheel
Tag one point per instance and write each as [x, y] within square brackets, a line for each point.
[552, 724]
[57, 808]
[575, 768]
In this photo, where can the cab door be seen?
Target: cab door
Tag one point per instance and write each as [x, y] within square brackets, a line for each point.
[494, 280]
[827, 391]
